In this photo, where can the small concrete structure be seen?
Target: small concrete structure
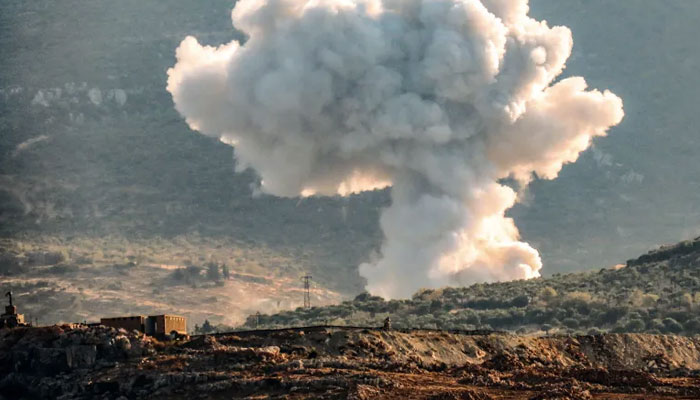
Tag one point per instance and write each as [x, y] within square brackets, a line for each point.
[154, 325]
[129, 323]
[10, 319]
[161, 325]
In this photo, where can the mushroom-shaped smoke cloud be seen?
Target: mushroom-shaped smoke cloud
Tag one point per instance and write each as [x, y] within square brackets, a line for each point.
[439, 99]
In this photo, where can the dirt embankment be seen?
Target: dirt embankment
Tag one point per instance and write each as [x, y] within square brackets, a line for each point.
[329, 363]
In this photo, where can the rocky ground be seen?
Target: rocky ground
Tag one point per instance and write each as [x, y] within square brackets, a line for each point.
[332, 363]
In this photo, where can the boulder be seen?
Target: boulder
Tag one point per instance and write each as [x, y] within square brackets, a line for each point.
[81, 356]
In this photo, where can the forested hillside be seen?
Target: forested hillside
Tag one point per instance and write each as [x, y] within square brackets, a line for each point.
[656, 293]
[90, 144]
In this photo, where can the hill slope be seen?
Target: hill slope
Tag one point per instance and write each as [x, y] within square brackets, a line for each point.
[657, 293]
[324, 363]
[90, 143]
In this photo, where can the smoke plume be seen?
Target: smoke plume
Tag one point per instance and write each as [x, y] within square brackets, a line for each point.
[439, 99]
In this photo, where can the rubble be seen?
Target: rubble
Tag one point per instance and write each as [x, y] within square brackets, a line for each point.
[564, 393]
[77, 362]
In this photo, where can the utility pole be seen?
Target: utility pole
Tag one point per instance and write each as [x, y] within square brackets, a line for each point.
[307, 291]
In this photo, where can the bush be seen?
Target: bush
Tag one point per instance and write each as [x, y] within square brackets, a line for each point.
[635, 325]
[693, 326]
[579, 301]
[672, 326]
[570, 323]
[612, 315]
[656, 325]
[520, 301]
[193, 272]
[649, 300]
[548, 294]
[547, 328]
[178, 275]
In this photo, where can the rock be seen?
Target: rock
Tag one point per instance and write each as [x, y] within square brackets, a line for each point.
[363, 392]
[122, 343]
[107, 387]
[49, 362]
[270, 352]
[81, 356]
[503, 362]
[460, 395]
[564, 393]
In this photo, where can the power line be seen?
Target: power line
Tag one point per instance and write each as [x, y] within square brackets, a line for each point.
[307, 290]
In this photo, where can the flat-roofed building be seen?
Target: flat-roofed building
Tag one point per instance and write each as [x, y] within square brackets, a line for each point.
[161, 325]
[11, 319]
[135, 322]
[154, 325]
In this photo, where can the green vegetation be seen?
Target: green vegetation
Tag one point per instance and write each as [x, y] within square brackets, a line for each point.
[123, 180]
[74, 166]
[656, 293]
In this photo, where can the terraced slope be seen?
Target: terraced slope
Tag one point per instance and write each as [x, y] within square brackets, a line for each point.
[330, 363]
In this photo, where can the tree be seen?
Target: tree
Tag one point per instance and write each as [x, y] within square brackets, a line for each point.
[649, 300]
[693, 325]
[207, 327]
[547, 328]
[548, 294]
[672, 325]
[570, 322]
[435, 305]
[687, 301]
[178, 275]
[193, 273]
[594, 331]
[225, 272]
[521, 301]
[612, 315]
[213, 272]
[656, 325]
[580, 301]
[635, 325]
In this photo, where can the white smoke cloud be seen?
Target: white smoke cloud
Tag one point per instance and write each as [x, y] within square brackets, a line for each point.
[439, 99]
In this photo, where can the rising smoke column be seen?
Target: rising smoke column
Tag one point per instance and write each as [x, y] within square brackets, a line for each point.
[439, 99]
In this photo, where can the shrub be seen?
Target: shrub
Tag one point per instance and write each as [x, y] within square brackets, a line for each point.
[672, 326]
[570, 323]
[213, 273]
[635, 325]
[579, 301]
[547, 328]
[193, 272]
[656, 325]
[612, 315]
[520, 301]
[178, 275]
[649, 300]
[687, 300]
[692, 326]
[548, 294]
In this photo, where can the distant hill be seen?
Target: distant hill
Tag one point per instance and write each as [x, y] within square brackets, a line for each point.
[658, 292]
[90, 144]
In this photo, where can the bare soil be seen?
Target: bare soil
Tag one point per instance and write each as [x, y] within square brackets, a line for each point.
[346, 363]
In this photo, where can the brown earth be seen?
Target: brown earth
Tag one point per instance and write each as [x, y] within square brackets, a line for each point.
[346, 363]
